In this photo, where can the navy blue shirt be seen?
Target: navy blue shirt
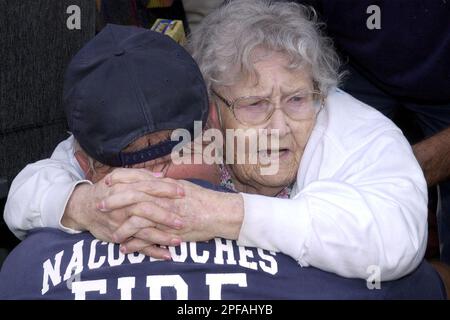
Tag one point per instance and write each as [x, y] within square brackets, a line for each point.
[409, 56]
[50, 264]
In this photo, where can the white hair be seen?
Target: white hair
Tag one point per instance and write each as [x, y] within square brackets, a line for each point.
[93, 164]
[226, 39]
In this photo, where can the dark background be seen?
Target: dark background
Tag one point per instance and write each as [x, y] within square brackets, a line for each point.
[35, 47]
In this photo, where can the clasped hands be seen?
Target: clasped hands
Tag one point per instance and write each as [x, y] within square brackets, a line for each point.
[146, 212]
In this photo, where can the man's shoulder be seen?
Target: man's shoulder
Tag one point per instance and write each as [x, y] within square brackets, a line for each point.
[48, 263]
[42, 266]
[39, 242]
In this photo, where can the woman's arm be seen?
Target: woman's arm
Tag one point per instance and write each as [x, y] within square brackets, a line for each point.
[39, 193]
[371, 211]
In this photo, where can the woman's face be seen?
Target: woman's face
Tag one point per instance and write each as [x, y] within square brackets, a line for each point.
[278, 84]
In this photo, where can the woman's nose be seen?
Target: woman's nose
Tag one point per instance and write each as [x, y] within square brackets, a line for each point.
[278, 121]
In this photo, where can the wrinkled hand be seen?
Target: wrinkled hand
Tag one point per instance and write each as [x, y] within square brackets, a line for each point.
[86, 211]
[202, 214]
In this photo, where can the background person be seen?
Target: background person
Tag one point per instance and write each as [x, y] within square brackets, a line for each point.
[397, 61]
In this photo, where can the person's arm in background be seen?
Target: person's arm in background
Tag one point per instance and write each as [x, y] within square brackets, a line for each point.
[39, 193]
[433, 155]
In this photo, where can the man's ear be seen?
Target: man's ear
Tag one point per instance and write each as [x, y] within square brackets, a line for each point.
[213, 116]
[83, 162]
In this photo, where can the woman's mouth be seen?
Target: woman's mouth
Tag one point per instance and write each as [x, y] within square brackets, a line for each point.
[275, 153]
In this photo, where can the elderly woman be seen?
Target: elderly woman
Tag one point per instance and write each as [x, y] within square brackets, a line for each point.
[357, 197]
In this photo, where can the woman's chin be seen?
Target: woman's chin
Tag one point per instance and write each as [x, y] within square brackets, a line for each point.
[283, 179]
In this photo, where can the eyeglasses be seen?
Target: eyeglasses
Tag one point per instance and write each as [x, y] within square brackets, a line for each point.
[258, 110]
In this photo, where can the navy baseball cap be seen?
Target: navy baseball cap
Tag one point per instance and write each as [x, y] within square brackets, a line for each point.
[128, 82]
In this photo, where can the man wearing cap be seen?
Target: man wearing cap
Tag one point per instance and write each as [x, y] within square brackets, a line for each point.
[121, 88]
[125, 92]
